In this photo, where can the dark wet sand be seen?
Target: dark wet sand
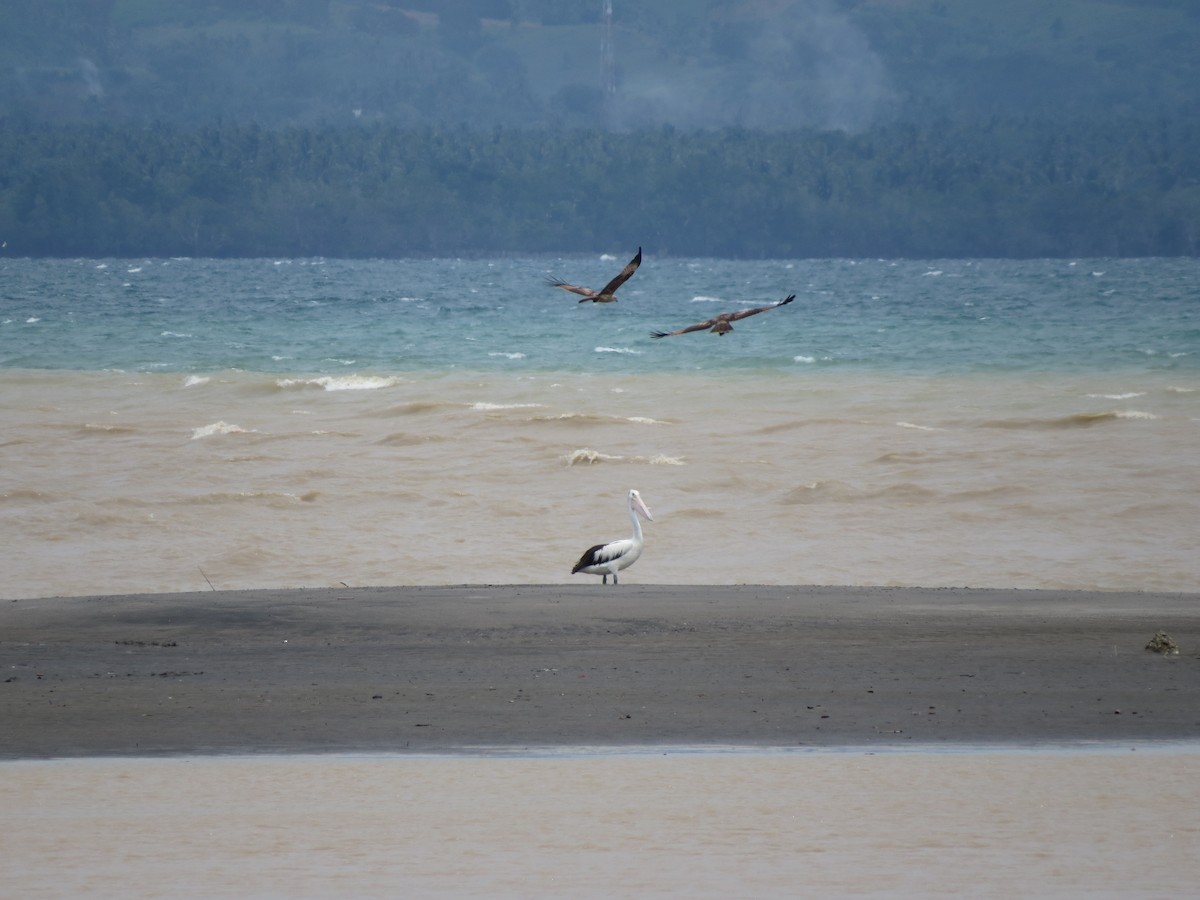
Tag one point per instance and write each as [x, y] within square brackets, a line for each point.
[435, 669]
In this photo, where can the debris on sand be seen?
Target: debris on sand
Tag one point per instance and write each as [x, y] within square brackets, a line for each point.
[1162, 643]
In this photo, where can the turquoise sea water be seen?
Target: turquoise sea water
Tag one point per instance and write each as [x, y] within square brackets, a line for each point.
[329, 316]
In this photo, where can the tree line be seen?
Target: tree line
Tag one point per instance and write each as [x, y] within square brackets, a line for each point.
[1004, 188]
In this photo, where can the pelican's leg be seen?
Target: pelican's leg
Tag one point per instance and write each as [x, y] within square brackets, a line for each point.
[604, 578]
[615, 578]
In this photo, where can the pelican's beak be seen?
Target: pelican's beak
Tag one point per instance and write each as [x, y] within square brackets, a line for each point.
[641, 507]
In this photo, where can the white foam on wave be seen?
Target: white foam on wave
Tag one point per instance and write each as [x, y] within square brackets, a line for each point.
[618, 350]
[341, 382]
[702, 298]
[221, 427]
[178, 334]
[661, 459]
[508, 355]
[1180, 390]
[804, 359]
[590, 418]
[33, 320]
[916, 427]
[1127, 396]
[1134, 414]
[195, 380]
[585, 456]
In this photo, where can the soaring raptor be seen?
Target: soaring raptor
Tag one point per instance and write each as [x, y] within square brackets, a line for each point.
[723, 322]
[607, 294]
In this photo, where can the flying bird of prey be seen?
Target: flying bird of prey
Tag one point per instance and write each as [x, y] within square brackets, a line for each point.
[723, 322]
[607, 294]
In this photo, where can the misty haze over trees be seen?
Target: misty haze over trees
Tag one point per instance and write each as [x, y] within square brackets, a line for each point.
[726, 128]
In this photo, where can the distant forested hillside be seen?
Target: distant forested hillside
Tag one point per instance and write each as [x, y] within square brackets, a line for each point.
[768, 64]
[1034, 188]
[725, 127]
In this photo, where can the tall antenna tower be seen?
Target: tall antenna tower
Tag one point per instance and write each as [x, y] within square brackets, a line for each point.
[608, 68]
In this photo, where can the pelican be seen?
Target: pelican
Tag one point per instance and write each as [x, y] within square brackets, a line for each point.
[607, 294]
[723, 323]
[611, 558]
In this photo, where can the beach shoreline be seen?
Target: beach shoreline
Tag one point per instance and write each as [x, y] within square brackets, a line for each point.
[487, 668]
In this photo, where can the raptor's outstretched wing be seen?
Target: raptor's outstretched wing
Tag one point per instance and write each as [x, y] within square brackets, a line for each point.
[624, 275]
[720, 324]
[699, 326]
[608, 294]
[746, 313]
[585, 292]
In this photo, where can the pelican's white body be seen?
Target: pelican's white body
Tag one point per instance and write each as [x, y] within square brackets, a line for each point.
[611, 558]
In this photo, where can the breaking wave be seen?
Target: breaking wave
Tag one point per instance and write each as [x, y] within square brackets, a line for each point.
[341, 382]
[221, 427]
[586, 456]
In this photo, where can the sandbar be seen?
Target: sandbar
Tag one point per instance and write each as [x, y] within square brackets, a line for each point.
[526, 668]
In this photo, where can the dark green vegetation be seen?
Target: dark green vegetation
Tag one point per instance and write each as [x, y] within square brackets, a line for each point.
[1025, 189]
[733, 127]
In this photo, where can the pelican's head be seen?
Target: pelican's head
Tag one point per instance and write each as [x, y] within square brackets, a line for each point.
[636, 504]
